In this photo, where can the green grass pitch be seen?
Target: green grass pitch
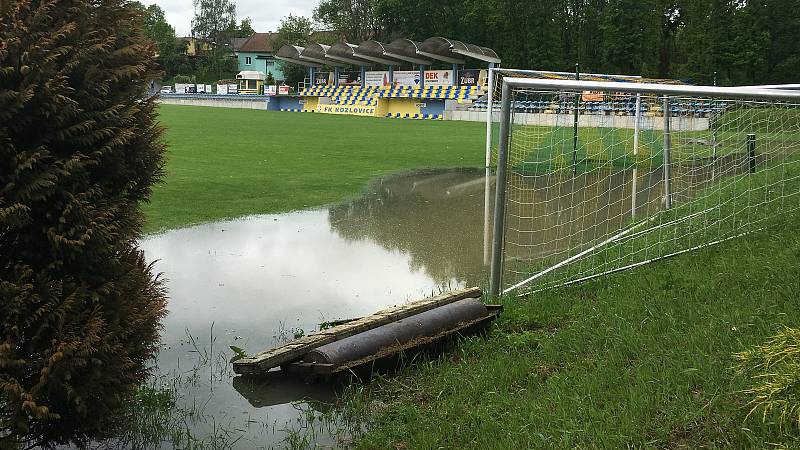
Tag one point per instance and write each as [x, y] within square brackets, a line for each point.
[227, 163]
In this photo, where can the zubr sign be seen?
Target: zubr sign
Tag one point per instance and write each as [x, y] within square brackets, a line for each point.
[472, 77]
[352, 110]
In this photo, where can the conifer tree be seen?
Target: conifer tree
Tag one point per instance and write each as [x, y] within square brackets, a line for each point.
[79, 152]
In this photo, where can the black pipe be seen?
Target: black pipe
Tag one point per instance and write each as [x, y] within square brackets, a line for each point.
[384, 338]
[751, 151]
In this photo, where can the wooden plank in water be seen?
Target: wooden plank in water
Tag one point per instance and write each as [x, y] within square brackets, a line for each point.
[291, 351]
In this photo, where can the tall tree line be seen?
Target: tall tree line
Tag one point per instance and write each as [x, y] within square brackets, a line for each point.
[743, 41]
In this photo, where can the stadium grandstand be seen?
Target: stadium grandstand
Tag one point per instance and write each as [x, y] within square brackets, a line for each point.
[420, 93]
[424, 93]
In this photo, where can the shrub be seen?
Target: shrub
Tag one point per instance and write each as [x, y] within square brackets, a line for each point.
[79, 152]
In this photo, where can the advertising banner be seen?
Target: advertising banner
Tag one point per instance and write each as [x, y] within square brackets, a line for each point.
[472, 77]
[377, 78]
[270, 89]
[406, 78]
[233, 88]
[283, 89]
[411, 78]
[352, 110]
[349, 78]
[438, 77]
[321, 78]
[222, 89]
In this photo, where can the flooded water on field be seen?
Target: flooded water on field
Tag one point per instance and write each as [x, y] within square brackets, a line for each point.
[262, 279]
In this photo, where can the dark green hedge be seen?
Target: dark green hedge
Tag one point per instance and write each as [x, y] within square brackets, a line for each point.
[79, 151]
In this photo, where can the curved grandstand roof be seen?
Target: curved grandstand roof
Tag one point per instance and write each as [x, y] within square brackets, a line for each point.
[345, 52]
[395, 53]
[439, 48]
[294, 54]
[406, 50]
[319, 53]
[376, 51]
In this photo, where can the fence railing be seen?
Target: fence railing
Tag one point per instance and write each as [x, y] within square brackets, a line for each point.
[594, 191]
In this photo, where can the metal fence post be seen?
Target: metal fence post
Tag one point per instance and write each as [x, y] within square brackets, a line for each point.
[751, 151]
[636, 126]
[498, 235]
[575, 123]
[667, 159]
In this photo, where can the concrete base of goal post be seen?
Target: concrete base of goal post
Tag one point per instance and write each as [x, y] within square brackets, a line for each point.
[498, 237]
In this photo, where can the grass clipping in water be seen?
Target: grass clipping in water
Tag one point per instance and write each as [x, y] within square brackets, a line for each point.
[775, 369]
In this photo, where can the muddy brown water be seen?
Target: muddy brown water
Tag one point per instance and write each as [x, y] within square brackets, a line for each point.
[260, 279]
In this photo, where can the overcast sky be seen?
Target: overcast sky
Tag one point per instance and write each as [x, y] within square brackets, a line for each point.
[266, 15]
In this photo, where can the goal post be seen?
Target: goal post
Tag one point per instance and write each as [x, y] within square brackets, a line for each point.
[657, 170]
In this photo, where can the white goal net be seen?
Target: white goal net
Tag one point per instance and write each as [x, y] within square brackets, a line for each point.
[601, 180]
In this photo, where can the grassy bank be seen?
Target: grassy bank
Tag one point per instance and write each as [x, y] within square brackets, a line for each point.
[642, 358]
[230, 162]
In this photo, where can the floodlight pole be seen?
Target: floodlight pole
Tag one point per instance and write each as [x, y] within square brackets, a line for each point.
[500, 194]
[336, 76]
[454, 81]
[575, 124]
[391, 75]
[422, 75]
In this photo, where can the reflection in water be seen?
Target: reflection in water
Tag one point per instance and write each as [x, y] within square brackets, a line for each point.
[434, 217]
[275, 388]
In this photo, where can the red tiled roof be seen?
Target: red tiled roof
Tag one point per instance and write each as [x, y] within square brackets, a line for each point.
[260, 42]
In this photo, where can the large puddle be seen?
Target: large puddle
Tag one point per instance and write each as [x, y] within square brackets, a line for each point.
[261, 279]
[255, 282]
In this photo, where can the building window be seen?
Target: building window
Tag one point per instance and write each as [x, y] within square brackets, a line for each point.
[248, 60]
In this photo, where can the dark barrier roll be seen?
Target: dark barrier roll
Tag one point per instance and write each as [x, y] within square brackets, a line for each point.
[426, 324]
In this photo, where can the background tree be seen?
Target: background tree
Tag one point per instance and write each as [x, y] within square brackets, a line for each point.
[246, 28]
[630, 31]
[294, 30]
[170, 53]
[214, 26]
[746, 41]
[79, 152]
[355, 20]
